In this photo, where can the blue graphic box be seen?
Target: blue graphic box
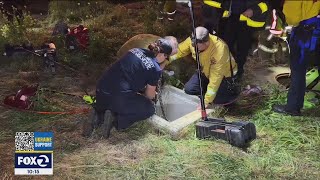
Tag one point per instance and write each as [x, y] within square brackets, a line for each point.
[43, 141]
[33, 160]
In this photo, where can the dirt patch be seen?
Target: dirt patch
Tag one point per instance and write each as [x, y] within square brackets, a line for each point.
[262, 72]
[268, 75]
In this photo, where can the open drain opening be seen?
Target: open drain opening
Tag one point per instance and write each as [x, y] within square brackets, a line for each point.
[175, 104]
[312, 94]
[284, 79]
[312, 79]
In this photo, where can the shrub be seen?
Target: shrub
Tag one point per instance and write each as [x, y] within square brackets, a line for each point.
[76, 11]
[26, 30]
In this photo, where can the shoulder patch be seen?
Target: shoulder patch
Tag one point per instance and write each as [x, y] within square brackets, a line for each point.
[147, 61]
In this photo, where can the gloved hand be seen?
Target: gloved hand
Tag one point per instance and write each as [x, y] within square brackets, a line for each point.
[169, 73]
[89, 99]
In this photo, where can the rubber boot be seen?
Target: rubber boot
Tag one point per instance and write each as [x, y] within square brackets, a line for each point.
[88, 124]
[93, 122]
[107, 124]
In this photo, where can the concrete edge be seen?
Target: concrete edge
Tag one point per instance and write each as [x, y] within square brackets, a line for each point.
[175, 128]
[192, 97]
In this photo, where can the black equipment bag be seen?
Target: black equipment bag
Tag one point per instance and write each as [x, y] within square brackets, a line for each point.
[238, 134]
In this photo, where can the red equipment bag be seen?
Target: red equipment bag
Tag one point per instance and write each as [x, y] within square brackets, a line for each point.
[21, 99]
[80, 36]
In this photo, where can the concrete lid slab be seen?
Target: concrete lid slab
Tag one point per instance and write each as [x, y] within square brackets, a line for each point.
[175, 128]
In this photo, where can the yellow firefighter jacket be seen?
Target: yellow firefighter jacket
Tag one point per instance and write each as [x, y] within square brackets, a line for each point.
[296, 11]
[215, 63]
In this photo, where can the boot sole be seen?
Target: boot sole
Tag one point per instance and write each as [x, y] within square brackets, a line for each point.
[87, 126]
[107, 124]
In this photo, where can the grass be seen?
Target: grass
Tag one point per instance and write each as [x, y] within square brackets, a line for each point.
[286, 147]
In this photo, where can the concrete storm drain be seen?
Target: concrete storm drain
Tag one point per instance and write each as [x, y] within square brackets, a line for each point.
[179, 110]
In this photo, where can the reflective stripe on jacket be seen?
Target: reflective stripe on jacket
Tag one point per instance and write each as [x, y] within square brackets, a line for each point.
[258, 7]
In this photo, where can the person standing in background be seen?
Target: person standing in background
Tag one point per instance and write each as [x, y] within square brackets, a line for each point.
[240, 18]
[305, 50]
[166, 9]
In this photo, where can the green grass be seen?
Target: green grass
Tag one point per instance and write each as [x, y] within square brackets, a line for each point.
[286, 148]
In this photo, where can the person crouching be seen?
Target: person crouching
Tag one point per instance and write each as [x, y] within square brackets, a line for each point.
[119, 101]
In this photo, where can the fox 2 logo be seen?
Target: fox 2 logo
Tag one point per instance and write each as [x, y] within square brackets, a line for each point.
[33, 160]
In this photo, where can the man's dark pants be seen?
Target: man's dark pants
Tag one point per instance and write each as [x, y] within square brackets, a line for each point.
[298, 69]
[238, 36]
[235, 33]
[192, 87]
[211, 17]
[127, 108]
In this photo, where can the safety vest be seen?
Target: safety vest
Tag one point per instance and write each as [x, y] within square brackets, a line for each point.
[256, 21]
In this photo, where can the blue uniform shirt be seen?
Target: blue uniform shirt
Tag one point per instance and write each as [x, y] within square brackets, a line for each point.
[131, 73]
